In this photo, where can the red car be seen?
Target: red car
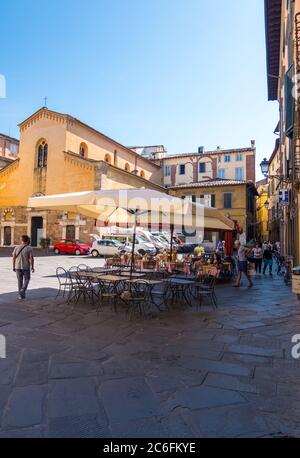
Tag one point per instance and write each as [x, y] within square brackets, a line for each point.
[71, 247]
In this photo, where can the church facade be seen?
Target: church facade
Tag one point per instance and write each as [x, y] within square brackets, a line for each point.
[60, 154]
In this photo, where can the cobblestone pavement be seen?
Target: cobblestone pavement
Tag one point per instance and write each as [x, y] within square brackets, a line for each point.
[184, 373]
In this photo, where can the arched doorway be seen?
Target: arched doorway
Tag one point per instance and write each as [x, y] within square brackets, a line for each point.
[7, 236]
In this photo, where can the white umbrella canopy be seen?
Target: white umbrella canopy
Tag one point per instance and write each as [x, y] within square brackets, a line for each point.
[124, 206]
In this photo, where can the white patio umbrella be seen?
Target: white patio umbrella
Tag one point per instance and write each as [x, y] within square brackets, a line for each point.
[129, 204]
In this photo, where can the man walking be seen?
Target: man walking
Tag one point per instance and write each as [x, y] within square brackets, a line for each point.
[23, 263]
[268, 260]
[242, 265]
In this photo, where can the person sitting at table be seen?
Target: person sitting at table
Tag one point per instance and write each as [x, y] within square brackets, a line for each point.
[174, 255]
[138, 260]
[161, 260]
[187, 260]
[217, 260]
[198, 266]
[127, 259]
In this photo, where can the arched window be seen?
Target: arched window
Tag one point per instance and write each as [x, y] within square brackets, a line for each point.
[107, 158]
[83, 150]
[127, 167]
[142, 174]
[42, 154]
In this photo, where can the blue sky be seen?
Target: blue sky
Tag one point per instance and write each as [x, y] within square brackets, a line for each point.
[182, 73]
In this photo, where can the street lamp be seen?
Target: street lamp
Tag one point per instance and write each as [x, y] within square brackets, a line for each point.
[264, 165]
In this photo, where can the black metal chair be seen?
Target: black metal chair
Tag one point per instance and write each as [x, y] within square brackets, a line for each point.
[159, 295]
[81, 287]
[107, 292]
[64, 282]
[73, 269]
[206, 289]
[137, 297]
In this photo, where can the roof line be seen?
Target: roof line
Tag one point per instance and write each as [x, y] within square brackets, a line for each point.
[13, 162]
[96, 161]
[65, 115]
[214, 182]
[10, 138]
[210, 153]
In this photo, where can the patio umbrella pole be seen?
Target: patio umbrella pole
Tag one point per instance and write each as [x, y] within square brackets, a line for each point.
[171, 242]
[133, 245]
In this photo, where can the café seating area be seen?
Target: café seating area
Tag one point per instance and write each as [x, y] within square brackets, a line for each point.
[146, 285]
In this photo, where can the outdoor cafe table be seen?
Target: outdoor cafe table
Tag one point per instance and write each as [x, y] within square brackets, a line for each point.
[151, 284]
[133, 275]
[180, 288]
[105, 270]
[113, 280]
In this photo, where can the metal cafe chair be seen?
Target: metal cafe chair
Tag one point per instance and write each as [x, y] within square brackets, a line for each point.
[64, 281]
[81, 287]
[73, 269]
[107, 292]
[137, 297]
[206, 289]
[160, 294]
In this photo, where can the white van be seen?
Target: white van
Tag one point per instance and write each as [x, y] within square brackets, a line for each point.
[142, 245]
[152, 239]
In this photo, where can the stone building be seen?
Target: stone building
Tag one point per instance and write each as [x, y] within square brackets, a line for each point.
[282, 19]
[60, 154]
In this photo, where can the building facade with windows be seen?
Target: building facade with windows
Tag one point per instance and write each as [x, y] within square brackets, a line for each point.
[282, 22]
[60, 154]
[234, 198]
[9, 150]
[182, 169]
[262, 229]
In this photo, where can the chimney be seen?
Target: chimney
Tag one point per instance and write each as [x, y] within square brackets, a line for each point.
[252, 144]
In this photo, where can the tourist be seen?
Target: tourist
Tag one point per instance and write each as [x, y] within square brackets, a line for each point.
[258, 257]
[265, 245]
[242, 265]
[217, 260]
[268, 260]
[23, 263]
[220, 246]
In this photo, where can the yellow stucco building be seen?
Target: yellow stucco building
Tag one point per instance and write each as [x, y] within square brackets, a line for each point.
[262, 211]
[60, 154]
[234, 198]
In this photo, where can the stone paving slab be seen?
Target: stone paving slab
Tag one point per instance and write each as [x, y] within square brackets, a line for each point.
[71, 372]
[72, 397]
[128, 399]
[202, 397]
[25, 407]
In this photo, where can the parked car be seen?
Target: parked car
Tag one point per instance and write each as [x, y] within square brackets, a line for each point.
[71, 247]
[103, 247]
[152, 239]
[142, 245]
